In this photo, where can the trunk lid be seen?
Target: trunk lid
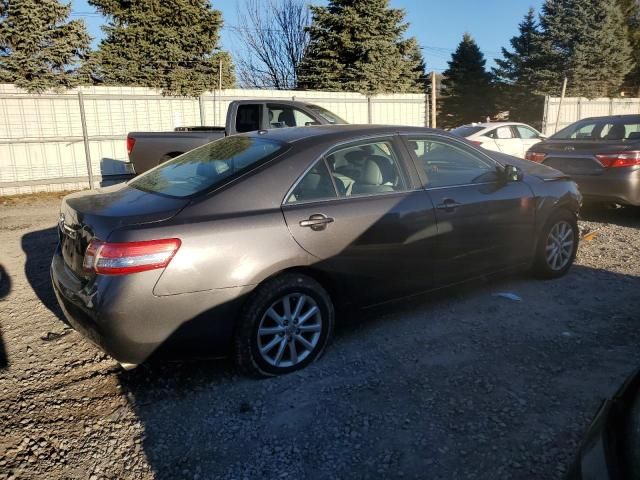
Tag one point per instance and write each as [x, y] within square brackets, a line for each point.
[578, 157]
[96, 213]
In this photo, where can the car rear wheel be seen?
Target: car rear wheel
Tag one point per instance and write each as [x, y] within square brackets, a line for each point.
[285, 326]
[557, 246]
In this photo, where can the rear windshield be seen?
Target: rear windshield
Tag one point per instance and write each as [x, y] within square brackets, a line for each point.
[611, 129]
[330, 117]
[466, 131]
[207, 166]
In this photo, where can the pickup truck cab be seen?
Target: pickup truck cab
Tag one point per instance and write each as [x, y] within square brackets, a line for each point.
[149, 149]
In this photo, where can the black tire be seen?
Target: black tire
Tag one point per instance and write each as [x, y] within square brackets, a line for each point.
[541, 266]
[247, 354]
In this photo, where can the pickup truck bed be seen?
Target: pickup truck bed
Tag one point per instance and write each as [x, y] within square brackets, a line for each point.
[149, 149]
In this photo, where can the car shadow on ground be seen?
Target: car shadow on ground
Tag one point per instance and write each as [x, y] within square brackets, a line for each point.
[622, 216]
[5, 289]
[202, 420]
[39, 247]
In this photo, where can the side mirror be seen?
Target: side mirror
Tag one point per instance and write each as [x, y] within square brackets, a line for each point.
[512, 173]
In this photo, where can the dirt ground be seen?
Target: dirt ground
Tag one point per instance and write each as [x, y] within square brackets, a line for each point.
[459, 385]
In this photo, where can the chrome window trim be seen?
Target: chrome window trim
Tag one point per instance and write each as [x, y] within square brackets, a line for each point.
[322, 157]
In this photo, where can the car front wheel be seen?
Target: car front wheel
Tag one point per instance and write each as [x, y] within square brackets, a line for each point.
[557, 246]
[285, 326]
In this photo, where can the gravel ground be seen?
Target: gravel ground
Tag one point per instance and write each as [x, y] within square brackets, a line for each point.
[459, 385]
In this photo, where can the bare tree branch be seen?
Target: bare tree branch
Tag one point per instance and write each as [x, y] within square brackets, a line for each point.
[273, 39]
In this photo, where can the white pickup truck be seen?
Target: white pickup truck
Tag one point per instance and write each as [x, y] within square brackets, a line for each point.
[148, 149]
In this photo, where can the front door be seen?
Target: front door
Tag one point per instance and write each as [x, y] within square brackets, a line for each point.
[370, 232]
[484, 225]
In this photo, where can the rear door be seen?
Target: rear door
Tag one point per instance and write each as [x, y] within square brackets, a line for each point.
[368, 224]
[484, 225]
[507, 141]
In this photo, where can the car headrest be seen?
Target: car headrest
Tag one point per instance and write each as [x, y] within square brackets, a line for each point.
[372, 173]
[386, 168]
[357, 157]
[287, 117]
[617, 132]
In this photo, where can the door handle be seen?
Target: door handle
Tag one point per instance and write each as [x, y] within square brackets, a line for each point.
[317, 222]
[449, 205]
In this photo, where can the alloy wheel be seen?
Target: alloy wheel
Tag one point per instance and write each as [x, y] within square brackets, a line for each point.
[289, 330]
[560, 244]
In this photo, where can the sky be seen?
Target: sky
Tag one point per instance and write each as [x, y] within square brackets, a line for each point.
[438, 25]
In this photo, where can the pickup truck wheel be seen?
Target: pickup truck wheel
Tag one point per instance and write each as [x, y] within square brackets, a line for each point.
[286, 325]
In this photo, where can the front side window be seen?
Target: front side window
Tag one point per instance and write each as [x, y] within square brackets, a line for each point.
[446, 164]
[248, 118]
[527, 133]
[207, 166]
[330, 117]
[282, 116]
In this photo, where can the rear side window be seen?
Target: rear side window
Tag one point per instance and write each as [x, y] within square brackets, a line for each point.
[501, 133]
[315, 185]
[207, 166]
[526, 133]
[248, 118]
[283, 116]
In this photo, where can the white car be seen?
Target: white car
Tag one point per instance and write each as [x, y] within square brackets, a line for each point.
[505, 137]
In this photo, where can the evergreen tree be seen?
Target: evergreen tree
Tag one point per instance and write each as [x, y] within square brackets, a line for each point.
[358, 45]
[170, 45]
[40, 49]
[467, 91]
[631, 11]
[587, 42]
[515, 73]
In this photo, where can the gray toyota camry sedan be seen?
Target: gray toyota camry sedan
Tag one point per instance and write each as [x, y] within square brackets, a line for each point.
[248, 245]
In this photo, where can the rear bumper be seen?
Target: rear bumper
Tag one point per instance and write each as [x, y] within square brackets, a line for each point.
[130, 324]
[613, 186]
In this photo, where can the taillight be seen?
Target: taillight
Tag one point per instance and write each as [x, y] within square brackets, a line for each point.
[535, 156]
[131, 257]
[130, 143]
[621, 159]
[476, 142]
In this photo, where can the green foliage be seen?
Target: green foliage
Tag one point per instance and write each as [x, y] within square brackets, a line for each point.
[172, 45]
[515, 73]
[467, 90]
[359, 45]
[40, 49]
[631, 11]
[586, 41]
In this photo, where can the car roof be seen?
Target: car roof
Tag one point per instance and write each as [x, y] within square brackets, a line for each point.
[492, 124]
[337, 132]
[612, 117]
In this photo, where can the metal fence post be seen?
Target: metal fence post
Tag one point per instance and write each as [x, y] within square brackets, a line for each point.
[369, 110]
[202, 112]
[426, 110]
[85, 136]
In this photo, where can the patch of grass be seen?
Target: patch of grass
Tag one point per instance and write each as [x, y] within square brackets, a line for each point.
[31, 198]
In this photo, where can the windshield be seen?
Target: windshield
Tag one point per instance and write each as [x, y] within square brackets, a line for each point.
[601, 129]
[466, 131]
[327, 115]
[206, 166]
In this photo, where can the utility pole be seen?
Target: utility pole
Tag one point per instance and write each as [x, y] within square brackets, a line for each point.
[564, 91]
[434, 108]
[220, 76]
